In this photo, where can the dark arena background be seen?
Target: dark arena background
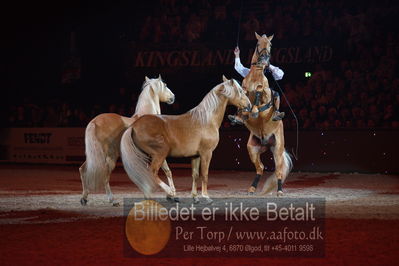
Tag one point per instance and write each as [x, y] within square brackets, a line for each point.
[64, 62]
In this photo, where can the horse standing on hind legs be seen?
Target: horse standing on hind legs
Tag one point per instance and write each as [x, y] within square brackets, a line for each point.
[264, 131]
[103, 135]
[194, 134]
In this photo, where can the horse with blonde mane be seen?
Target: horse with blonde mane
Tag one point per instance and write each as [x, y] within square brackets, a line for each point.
[103, 135]
[264, 132]
[195, 134]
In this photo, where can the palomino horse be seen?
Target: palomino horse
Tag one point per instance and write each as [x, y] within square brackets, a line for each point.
[264, 131]
[194, 134]
[103, 136]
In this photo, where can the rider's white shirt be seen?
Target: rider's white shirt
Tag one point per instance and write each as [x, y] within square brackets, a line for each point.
[243, 71]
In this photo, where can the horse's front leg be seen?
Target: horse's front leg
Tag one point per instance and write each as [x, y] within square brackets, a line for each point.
[257, 101]
[168, 173]
[195, 164]
[204, 167]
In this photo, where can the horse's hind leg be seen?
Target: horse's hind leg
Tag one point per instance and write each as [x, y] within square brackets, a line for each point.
[111, 163]
[168, 173]
[195, 164]
[278, 154]
[254, 151]
[279, 161]
[85, 191]
[157, 160]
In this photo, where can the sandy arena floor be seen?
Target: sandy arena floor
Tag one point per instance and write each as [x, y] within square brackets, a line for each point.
[42, 221]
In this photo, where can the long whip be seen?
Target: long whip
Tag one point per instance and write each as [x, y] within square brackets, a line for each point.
[295, 154]
[239, 23]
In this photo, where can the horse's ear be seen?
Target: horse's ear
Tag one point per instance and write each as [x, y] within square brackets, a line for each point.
[224, 79]
[257, 36]
[147, 79]
[270, 37]
[159, 77]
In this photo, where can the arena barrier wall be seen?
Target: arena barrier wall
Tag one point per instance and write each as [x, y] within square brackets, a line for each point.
[42, 145]
[318, 151]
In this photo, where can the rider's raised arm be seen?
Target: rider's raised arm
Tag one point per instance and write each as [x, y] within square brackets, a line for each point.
[243, 71]
[276, 72]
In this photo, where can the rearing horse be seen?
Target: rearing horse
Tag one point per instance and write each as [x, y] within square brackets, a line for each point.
[264, 131]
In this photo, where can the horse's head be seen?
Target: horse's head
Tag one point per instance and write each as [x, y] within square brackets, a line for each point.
[261, 56]
[235, 94]
[160, 89]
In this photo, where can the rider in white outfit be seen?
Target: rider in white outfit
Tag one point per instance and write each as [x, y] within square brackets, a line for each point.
[243, 71]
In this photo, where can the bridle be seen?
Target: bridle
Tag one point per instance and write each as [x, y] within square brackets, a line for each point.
[263, 54]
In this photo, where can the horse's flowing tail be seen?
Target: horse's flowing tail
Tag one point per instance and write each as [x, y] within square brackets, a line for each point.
[135, 163]
[96, 167]
[271, 182]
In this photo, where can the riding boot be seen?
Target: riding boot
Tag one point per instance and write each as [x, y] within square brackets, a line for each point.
[277, 115]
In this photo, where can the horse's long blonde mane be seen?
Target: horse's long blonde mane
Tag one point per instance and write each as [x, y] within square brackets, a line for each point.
[203, 111]
[145, 94]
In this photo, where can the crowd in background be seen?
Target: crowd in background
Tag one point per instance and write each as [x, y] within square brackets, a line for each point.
[361, 91]
[217, 20]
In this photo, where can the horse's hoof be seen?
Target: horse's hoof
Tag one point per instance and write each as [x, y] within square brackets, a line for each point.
[115, 204]
[83, 201]
[196, 200]
[208, 200]
[251, 190]
[280, 193]
[172, 199]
